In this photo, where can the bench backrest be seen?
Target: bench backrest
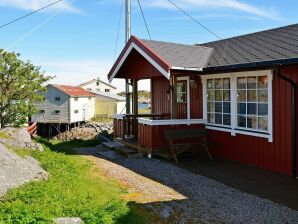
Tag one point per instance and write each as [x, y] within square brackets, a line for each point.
[185, 134]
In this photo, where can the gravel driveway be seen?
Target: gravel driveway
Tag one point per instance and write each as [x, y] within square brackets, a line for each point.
[180, 196]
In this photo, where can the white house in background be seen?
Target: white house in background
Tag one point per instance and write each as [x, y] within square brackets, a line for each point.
[65, 105]
[98, 86]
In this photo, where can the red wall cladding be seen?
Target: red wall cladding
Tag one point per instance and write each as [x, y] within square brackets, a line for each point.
[152, 137]
[276, 156]
[137, 67]
[161, 99]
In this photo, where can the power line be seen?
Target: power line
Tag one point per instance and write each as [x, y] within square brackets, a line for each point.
[144, 18]
[29, 14]
[195, 20]
[119, 23]
[35, 28]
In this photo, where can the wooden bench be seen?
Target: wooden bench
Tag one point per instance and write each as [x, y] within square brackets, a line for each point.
[181, 140]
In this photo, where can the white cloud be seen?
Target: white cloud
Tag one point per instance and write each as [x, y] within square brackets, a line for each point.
[37, 4]
[230, 4]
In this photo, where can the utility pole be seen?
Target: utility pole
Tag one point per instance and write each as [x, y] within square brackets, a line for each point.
[127, 36]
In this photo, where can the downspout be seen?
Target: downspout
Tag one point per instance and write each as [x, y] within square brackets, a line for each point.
[294, 131]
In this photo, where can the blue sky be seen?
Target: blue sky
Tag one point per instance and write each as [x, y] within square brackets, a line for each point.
[76, 40]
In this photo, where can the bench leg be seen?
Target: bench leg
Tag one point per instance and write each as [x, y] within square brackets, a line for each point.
[172, 155]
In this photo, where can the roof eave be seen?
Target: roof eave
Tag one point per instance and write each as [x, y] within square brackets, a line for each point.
[253, 65]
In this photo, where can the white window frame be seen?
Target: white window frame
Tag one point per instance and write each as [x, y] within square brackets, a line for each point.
[234, 129]
[186, 78]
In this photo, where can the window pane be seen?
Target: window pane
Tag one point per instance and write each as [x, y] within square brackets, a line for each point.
[263, 96]
[241, 83]
[241, 95]
[262, 109]
[226, 83]
[181, 97]
[251, 83]
[210, 96]
[218, 95]
[227, 119]
[252, 122]
[218, 83]
[263, 123]
[262, 82]
[181, 87]
[218, 107]
[241, 108]
[218, 118]
[252, 108]
[210, 84]
[211, 118]
[242, 121]
[227, 108]
[211, 107]
[251, 95]
[226, 95]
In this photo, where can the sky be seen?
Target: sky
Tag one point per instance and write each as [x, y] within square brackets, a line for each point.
[75, 40]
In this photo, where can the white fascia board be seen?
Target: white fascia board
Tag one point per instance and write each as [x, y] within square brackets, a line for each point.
[187, 69]
[150, 122]
[146, 56]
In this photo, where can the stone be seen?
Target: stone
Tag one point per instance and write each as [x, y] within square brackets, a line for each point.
[67, 220]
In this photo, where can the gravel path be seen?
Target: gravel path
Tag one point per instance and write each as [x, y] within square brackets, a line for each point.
[182, 197]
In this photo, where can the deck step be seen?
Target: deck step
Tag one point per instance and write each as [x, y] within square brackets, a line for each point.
[112, 155]
[127, 152]
[112, 144]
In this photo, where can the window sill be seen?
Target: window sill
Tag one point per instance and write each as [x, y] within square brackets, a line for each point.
[234, 132]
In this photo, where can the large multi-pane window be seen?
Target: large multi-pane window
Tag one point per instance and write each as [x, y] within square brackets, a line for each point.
[239, 103]
[219, 101]
[252, 102]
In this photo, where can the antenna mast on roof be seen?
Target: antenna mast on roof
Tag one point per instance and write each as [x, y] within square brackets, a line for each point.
[127, 36]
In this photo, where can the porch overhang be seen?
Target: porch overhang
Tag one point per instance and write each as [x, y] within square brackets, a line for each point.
[161, 65]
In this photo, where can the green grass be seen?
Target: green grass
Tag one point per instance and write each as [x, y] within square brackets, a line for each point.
[102, 120]
[144, 111]
[4, 135]
[74, 189]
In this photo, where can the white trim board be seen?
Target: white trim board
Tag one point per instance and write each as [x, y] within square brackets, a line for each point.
[186, 78]
[170, 122]
[233, 129]
[146, 56]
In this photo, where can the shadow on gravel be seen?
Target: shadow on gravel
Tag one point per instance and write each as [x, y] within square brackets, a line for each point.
[226, 204]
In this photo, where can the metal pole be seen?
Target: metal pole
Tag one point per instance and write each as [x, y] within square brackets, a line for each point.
[127, 37]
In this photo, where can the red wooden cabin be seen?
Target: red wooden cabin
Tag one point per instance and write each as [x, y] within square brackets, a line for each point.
[241, 89]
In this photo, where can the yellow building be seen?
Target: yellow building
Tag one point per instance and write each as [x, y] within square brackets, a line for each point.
[107, 104]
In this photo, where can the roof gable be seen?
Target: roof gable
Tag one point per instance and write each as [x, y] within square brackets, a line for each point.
[96, 80]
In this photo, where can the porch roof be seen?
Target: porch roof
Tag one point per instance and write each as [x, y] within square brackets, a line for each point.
[163, 56]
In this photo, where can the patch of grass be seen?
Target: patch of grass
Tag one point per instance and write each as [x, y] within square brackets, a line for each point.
[102, 120]
[4, 135]
[75, 188]
[144, 111]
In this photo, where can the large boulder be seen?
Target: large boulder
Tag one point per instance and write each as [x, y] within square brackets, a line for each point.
[19, 138]
[15, 170]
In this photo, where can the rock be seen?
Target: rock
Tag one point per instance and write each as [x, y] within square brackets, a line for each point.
[15, 170]
[20, 138]
[88, 131]
[68, 221]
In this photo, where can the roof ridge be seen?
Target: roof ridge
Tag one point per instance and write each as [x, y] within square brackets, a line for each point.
[169, 42]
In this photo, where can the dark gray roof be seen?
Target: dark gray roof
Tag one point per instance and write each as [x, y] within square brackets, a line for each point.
[181, 55]
[270, 45]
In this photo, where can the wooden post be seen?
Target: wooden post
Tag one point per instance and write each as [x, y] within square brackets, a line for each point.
[174, 105]
[135, 107]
